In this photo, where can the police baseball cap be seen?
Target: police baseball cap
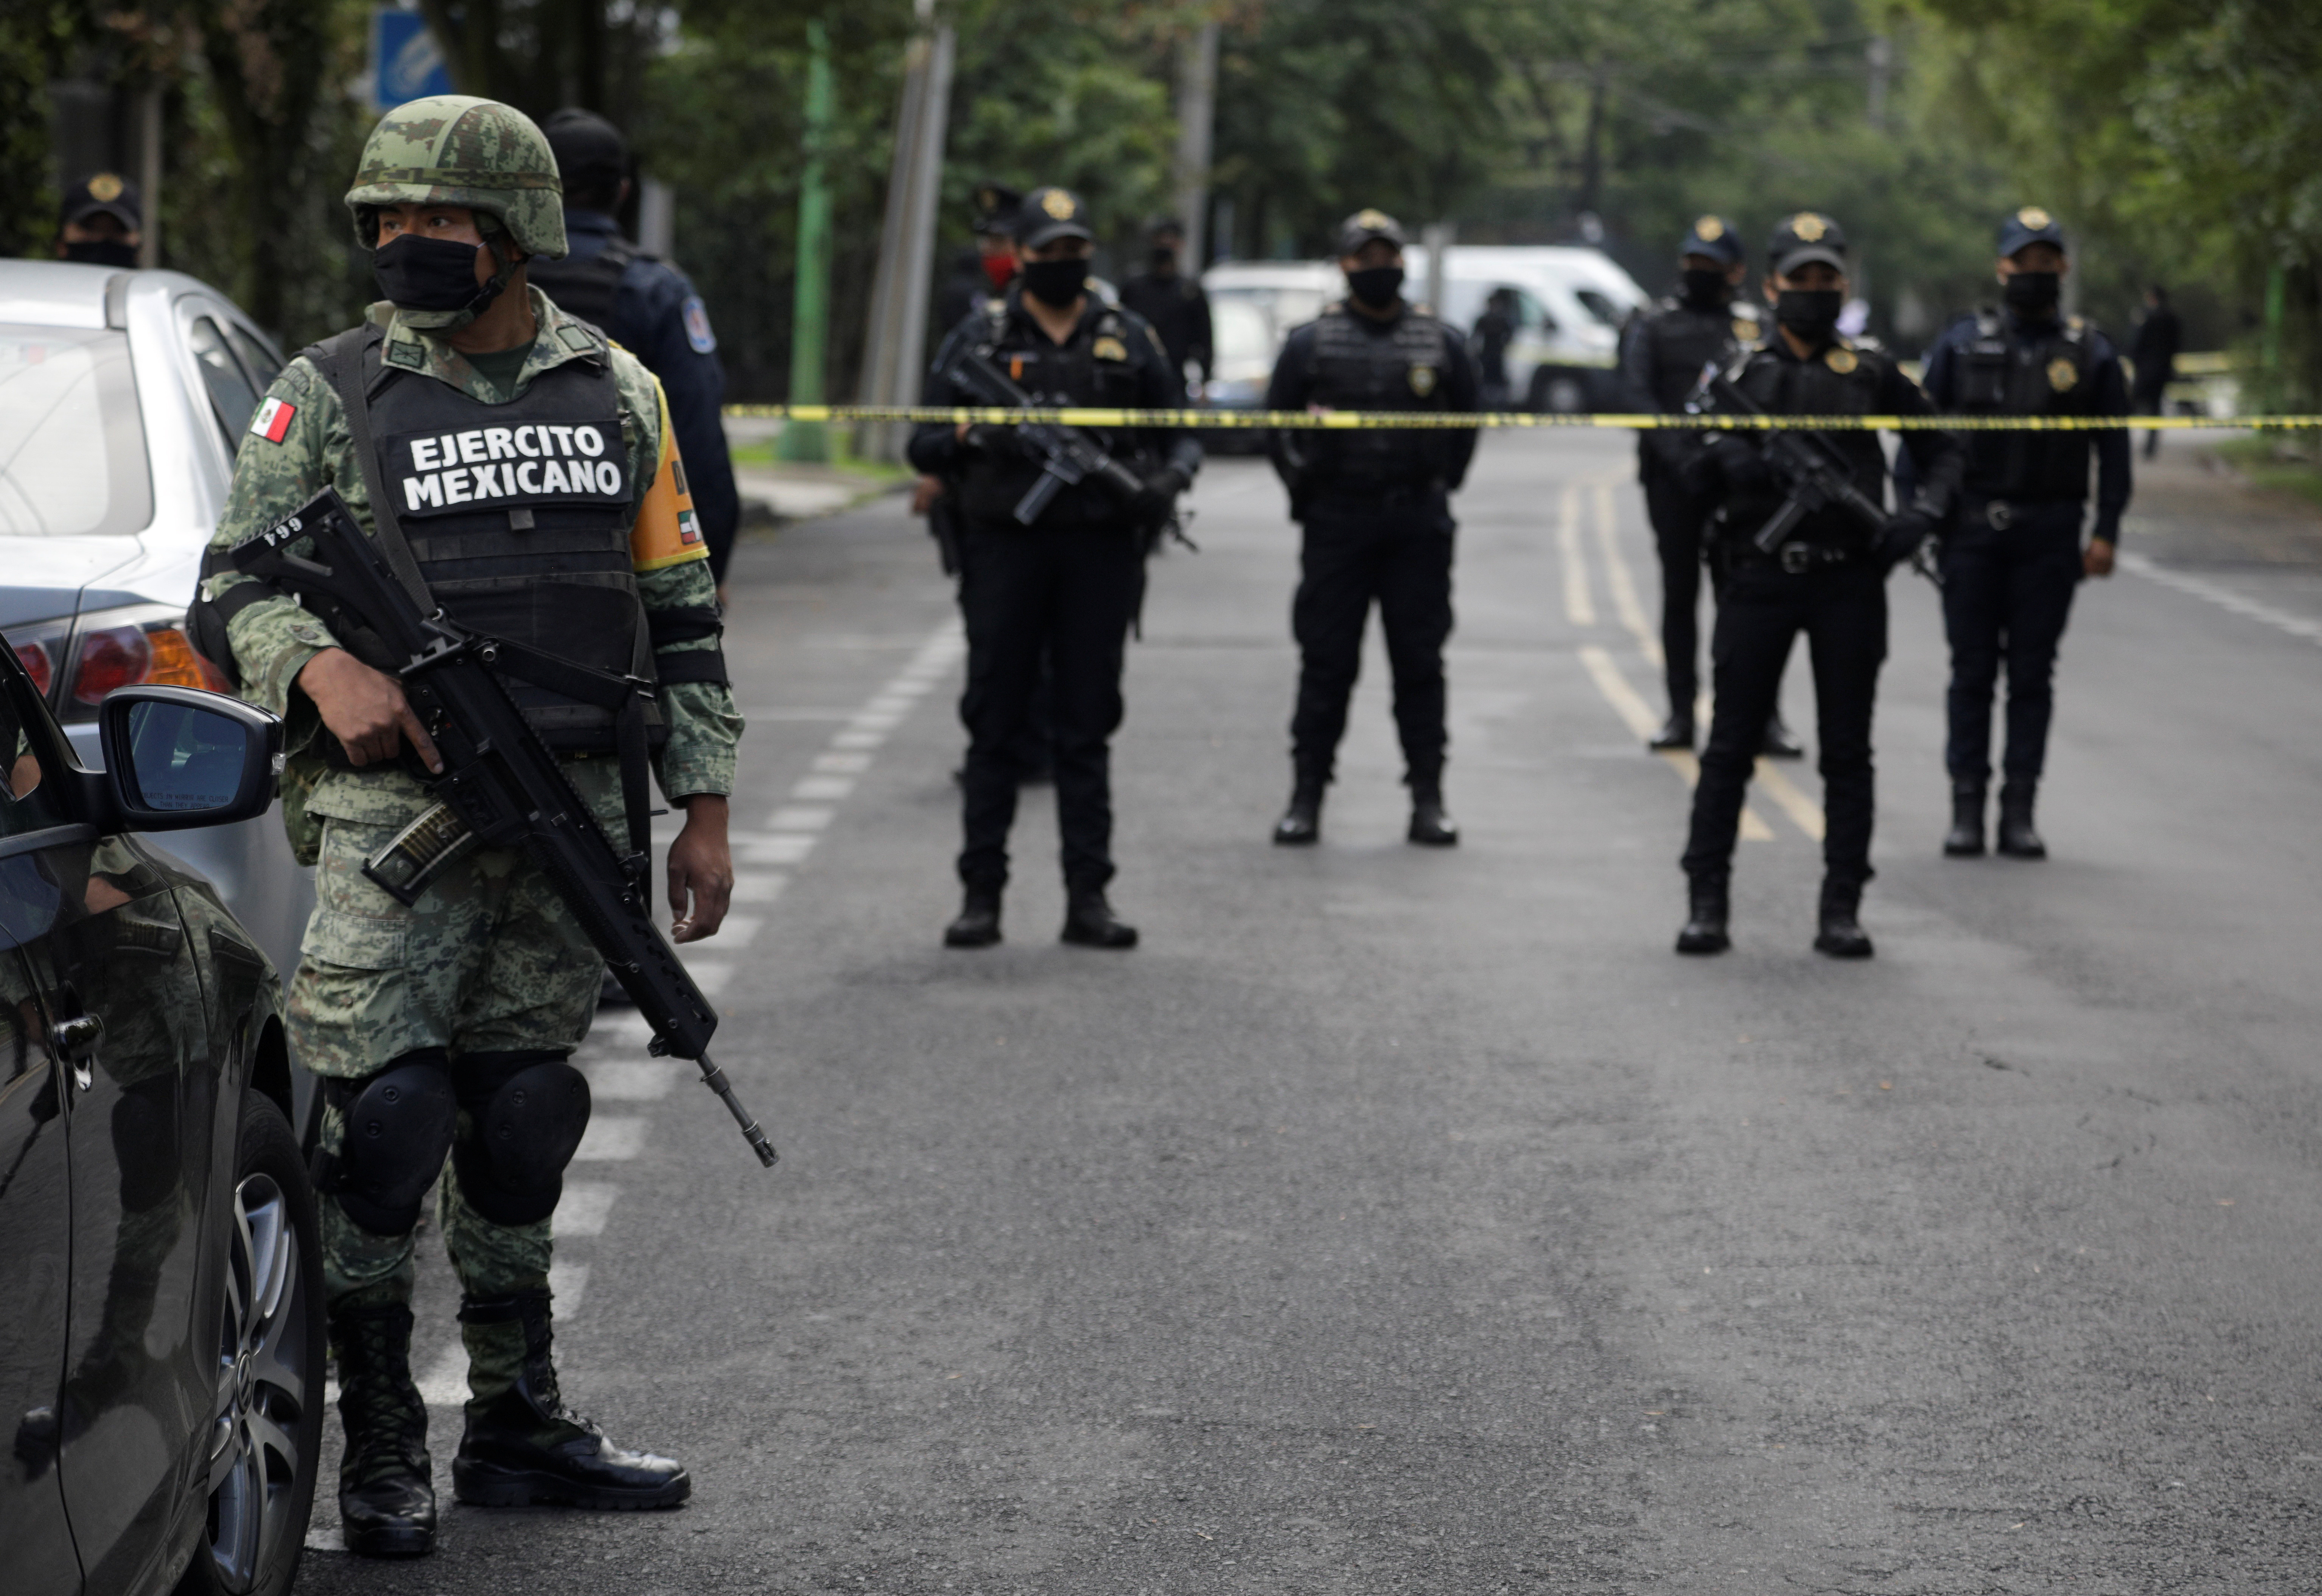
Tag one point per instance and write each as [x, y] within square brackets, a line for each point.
[1362, 226]
[1049, 215]
[108, 193]
[996, 206]
[1804, 239]
[1715, 237]
[2029, 227]
[591, 154]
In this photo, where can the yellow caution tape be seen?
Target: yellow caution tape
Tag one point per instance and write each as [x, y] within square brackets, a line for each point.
[1438, 421]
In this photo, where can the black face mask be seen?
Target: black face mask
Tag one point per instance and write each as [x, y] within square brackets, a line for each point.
[1056, 282]
[2032, 295]
[1704, 289]
[419, 273]
[1810, 313]
[1375, 285]
[102, 251]
[1164, 262]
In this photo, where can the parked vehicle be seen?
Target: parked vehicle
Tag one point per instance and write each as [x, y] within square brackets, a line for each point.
[124, 396]
[1253, 305]
[1571, 306]
[161, 1330]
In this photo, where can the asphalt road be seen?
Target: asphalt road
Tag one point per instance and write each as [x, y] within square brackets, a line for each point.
[1398, 1220]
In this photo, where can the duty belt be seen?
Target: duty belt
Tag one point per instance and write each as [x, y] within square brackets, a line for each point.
[1798, 556]
[2000, 514]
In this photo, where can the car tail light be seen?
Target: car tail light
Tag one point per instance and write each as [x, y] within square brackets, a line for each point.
[34, 658]
[147, 645]
[40, 649]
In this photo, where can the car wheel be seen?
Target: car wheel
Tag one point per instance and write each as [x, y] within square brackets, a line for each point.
[1559, 393]
[266, 1427]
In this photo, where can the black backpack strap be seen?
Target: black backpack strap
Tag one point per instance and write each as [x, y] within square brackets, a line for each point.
[342, 358]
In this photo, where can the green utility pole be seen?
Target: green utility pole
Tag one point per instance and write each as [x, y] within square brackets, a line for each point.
[810, 311]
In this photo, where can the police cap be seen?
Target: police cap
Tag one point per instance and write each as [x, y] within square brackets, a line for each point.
[1804, 239]
[1365, 225]
[106, 193]
[1049, 215]
[591, 156]
[2029, 227]
[996, 206]
[1715, 237]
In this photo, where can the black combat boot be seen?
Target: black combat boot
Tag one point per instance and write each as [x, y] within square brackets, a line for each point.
[386, 1499]
[524, 1449]
[1676, 731]
[1705, 916]
[1300, 825]
[1841, 935]
[1778, 743]
[1089, 921]
[978, 925]
[2018, 839]
[1432, 825]
[1965, 838]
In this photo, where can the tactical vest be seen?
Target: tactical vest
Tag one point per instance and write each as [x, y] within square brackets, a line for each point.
[1098, 370]
[1683, 340]
[588, 288]
[1843, 380]
[1360, 365]
[518, 515]
[2001, 372]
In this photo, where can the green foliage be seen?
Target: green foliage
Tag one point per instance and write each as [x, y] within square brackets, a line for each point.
[36, 38]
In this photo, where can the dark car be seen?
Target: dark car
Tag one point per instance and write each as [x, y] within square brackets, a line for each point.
[161, 1336]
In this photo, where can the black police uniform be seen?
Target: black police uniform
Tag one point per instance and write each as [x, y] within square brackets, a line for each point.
[1662, 355]
[1826, 579]
[2012, 557]
[1376, 507]
[1068, 585]
[1179, 311]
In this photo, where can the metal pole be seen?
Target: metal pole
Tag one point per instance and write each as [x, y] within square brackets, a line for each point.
[810, 312]
[895, 340]
[1197, 104]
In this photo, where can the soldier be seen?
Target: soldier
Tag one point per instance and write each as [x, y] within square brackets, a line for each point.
[1826, 578]
[1174, 303]
[101, 223]
[1376, 505]
[1066, 585]
[1661, 358]
[648, 307]
[2013, 558]
[536, 481]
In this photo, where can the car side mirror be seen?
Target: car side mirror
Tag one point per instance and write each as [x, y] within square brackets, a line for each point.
[176, 758]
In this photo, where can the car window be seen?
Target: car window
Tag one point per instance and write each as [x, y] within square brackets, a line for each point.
[231, 394]
[72, 446]
[1601, 305]
[262, 367]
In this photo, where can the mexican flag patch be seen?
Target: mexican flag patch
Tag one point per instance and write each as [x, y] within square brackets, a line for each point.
[272, 421]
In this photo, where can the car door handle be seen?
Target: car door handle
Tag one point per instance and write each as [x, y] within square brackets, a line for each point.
[75, 1041]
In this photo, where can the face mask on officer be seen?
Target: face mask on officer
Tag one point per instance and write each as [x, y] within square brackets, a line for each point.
[2034, 294]
[1704, 288]
[102, 252]
[1810, 313]
[1375, 285]
[999, 270]
[1057, 283]
[433, 280]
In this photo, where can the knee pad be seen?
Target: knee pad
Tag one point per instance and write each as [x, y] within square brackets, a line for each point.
[398, 1127]
[525, 1112]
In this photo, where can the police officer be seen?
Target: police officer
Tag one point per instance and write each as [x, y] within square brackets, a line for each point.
[101, 223]
[984, 271]
[1827, 579]
[1068, 584]
[1376, 507]
[1662, 355]
[443, 1029]
[648, 307]
[1174, 302]
[2013, 557]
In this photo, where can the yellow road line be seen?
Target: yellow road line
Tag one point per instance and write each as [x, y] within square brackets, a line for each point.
[1633, 708]
[1578, 607]
[1618, 580]
[1803, 812]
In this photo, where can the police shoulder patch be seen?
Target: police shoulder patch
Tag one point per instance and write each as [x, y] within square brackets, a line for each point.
[1422, 380]
[1840, 359]
[2062, 373]
[697, 325]
[1108, 349]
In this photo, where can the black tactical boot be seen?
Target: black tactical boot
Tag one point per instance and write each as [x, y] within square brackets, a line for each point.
[1432, 825]
[1704, 924]
[1779, 743]
[1301, 825]
[1965, 838]
[387, 1501]
[524, 1449]
[978, 925]
[1676, 731]
[2017, 837]
[1089, 921]
[1841, 935]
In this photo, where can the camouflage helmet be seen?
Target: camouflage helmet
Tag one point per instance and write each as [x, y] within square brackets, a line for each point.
[455, 150]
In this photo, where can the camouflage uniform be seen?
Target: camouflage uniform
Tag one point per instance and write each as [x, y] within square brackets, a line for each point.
[489, 958]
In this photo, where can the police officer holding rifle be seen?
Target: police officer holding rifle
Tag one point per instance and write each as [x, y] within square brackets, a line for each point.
[522, 474]
[1807, 544]
[1056, 525]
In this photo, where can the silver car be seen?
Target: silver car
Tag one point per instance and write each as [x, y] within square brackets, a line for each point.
[123, 398]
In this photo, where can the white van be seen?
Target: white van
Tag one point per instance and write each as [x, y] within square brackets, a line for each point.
[1571, 306]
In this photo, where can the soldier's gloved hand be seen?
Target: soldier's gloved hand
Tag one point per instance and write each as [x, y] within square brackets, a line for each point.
[1905, 533]
[1159, 495]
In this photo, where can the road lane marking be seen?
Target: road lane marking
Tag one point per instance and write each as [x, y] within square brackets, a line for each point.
[759, 886]
[799, 817]
[825, 789]
[709, 975]
[866, 740]
[567, 1284]
[842, 764]
[787, 848]
[445, 1383]
[1578, 607]
[1618, 580]
[1803, 812]
[611, 1138]
[627, 1080]
[584, 1208]
[2303, 627]
[1631, 708]
[739, 930]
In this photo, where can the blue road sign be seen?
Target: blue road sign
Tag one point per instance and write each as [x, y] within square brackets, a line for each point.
[407, 64]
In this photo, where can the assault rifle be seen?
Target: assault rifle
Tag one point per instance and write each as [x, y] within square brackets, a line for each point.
[501, 786]
[1066, 456]
[1814, 476]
